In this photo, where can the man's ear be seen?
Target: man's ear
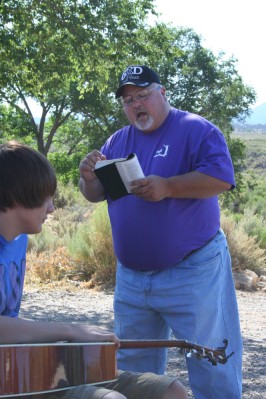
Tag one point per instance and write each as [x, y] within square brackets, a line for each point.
[163, 91]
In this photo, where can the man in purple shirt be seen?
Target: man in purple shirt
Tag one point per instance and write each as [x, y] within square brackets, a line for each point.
[173, 263]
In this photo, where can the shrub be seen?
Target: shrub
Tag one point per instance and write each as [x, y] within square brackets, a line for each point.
[71, 209]
[245, 250]
[92, 247]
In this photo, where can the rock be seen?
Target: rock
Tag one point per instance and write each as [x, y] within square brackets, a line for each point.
[263, 272]
[245, 280]
[261, 284]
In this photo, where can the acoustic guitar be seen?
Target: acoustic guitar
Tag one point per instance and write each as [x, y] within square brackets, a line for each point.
[44, 368]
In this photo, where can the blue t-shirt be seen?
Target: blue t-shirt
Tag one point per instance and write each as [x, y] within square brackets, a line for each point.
[156, 235]
[12, 272]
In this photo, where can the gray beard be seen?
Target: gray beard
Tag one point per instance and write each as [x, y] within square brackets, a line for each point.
[144, 125]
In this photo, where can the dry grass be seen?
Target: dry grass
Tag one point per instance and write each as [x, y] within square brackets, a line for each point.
[48, 267]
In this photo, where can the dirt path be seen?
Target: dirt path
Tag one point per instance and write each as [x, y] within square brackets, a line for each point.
[96, 308]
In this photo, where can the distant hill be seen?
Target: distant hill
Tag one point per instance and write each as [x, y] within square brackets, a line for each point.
[258, 116]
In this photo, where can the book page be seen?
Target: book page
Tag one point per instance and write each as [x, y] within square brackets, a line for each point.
[130, 170]
[100, 164]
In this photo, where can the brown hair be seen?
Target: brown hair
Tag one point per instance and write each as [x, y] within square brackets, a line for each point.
[27, 178]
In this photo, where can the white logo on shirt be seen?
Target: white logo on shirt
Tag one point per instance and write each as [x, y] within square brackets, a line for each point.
[162, 152]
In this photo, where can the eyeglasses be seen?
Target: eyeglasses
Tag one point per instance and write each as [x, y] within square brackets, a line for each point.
[139, 96]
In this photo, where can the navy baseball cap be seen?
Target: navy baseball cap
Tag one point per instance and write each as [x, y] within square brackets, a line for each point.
[137, 75]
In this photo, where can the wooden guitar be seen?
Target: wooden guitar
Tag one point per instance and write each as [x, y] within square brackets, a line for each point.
[41, 368]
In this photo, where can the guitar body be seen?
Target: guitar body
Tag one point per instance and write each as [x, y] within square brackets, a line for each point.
[39, 368]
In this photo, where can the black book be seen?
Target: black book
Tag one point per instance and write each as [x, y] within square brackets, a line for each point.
[116, 174]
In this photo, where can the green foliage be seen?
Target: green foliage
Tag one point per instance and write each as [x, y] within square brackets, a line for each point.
[50, 53]
[255, 152]
[254, 225]
[237, 150]
[14, 125]
[196, 80]
[68, 197]
[71, 209]
[256, 198]
[251, 203]
[252, 209]
[253, 192]
[66, 166]
[58, 230]
[46, 241]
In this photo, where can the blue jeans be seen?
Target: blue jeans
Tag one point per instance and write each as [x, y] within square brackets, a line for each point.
[196, 300]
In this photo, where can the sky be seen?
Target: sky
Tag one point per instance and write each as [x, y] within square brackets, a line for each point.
[236, 27]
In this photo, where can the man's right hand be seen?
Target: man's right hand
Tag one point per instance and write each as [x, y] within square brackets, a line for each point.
[87, 165]
[89, 185]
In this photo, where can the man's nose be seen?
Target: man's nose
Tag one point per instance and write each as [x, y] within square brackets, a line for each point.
[136, 101]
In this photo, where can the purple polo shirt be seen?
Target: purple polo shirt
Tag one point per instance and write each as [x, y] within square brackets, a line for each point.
[157, 235]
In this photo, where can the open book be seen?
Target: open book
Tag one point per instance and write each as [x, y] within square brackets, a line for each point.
[116, 174]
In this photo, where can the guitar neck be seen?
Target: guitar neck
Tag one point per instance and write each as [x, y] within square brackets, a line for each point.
[175, 343]
[215, 356]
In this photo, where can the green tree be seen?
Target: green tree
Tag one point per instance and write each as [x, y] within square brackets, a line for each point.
[14, 124]
[61, 54]
[196, 80]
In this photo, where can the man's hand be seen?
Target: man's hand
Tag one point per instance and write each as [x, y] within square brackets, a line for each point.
[190, 185]
[89, 184]
[150, 188]
[87, 165]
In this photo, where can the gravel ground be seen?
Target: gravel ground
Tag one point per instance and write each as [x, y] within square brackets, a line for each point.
[83, 305]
